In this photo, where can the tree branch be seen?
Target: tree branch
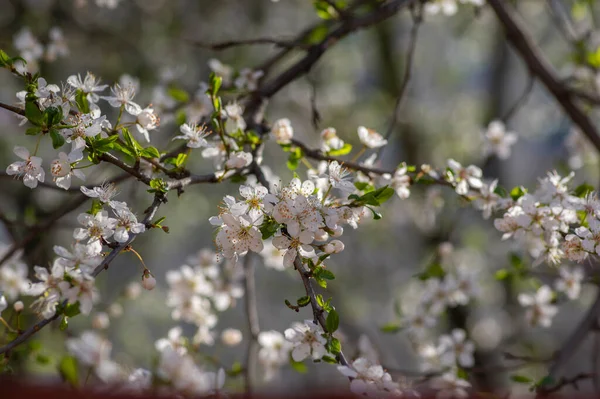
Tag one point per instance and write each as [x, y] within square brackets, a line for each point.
[315, 52]
[541, 68]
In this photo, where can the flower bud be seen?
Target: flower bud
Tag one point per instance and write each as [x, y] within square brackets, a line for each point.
[445, 249]
[148, 281]
[100, 321]
[283, 131]
[133, 290]
[115, 310]
[334, 247]
[18, 306]
[231, 336]
[321, 235]
[337, 231]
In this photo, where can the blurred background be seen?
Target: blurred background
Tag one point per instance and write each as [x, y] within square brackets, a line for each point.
[464, 76]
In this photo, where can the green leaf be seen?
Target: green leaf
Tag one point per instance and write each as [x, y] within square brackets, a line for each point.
[335, 346]
[518, 192]
[33, 131]
[215, 83]
[72, 309]
[303, 301]
[64, 323]
[333, 321]
[324, 10]
[68, 370]
[42, 359]
[521, 379]
[82, 102]
[294, 158]
[298, 366]
[376, 215]
[546, 381]
[462, 374]
[326, 274]
[33, 113]
[178, 94]
[236, 369]
[364, 186]
[180, 117]
[502, 274]
[583, 190]
[57, 139]
[345, 150]
[268, 228]
[329, 359]
[105, 144]
[181, 159]
[320, 301]
[158, 185]
[383, 194]
[150, 152]
[96, 207]
[132, 143]
[390, 328]
[317, 35]
[321, 282]
[52, 116]
[4, 59]
[434, 270]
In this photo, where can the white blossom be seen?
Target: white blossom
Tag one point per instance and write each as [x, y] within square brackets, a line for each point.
[89, 85]
[370, 138]
[283, 131]
[570, 281]
[194, 135]
[539, 308]
[498, 141]
[307, 340]
[30, 168]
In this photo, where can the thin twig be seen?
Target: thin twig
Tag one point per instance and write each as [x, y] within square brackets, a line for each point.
[317, 310]
[521, 100]
[410, 51]
[252, 320]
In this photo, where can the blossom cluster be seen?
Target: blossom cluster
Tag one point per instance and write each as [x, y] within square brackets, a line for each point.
[32, 51]
[200, 288]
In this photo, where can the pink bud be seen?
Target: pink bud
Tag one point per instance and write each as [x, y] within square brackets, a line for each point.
[148, 281]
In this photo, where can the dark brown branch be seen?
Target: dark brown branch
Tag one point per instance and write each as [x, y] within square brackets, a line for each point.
[541, 68]
[563, 382]
[289, 44]
[304, 65]
[569, 347]
[16, 110]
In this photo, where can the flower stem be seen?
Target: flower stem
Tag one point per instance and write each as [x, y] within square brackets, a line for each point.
[326, 194]
[120, 115]
[8, 327]
[37, 145]
[359, 153]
